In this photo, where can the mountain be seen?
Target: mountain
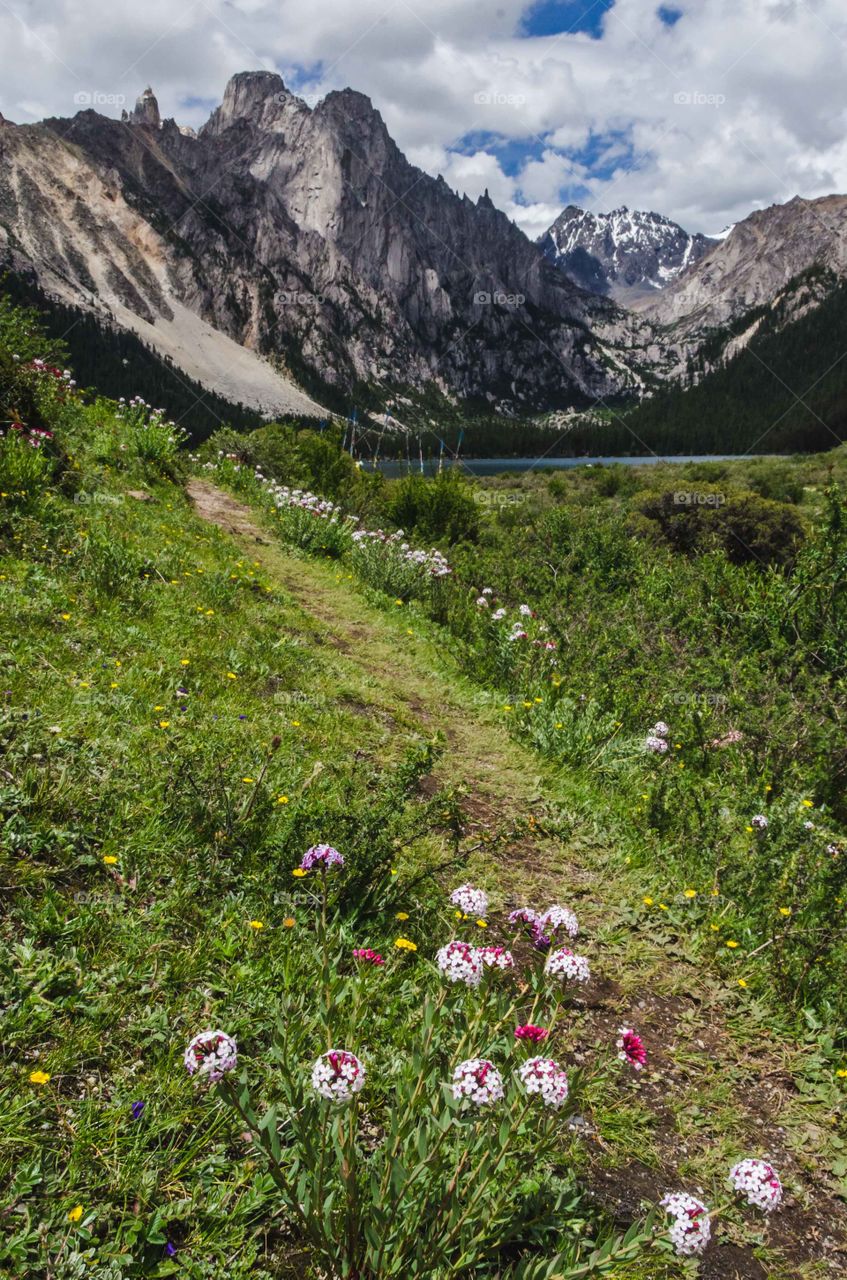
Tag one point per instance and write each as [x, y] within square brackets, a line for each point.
[627, 254]
[755, 262]
[285, 247]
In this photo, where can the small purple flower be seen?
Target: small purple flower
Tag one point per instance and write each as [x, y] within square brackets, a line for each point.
[137, 1108]
[170, 1249]
[323, 856]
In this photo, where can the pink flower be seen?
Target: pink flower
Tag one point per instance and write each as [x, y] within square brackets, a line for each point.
[460, 962]
[532, 1033]
[692, 1229]
[759, 1182]
[557, 917]
[497, 958]
[565, 965]
[210, 1054]
[368, 955]
[479, 1081]
[337, 1075]
[545, 1077]
[473, 902]
[321, 855]
[631, 1048]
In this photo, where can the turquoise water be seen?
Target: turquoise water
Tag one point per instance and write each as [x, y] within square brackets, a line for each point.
[496, 466]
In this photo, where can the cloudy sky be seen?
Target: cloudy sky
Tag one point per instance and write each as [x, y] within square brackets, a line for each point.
[701, 109]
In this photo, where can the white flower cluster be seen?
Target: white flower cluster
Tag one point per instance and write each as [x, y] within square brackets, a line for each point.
[547, 1078]
[460, 962]
[759, 1182]
[432, 561]
[210, 1054]
[692, 1229]
[759, 822]
[567, 966]
[556, 917]
[338, 1075]
[473, 902]
[283, 497]
[479, 1081]
[656, 740]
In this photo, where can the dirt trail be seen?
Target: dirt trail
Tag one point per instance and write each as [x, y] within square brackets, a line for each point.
[708, 1089]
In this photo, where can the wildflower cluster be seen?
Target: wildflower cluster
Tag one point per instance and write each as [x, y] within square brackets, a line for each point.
[546, 1078]
[478, 1081]
[631, 1048]
[323, 856]
[542, 927]
[758, 1182]
[431, 562]
[211, 1054]
[531, 1033]
[565, 965]
[368, 956]
[497, 958]
[460, 962]
[692, 1228]
[338, 1075]
[471, 901]
[656, 740]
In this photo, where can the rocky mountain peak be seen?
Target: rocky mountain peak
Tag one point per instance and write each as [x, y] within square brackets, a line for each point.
[256, 97]
[628, 253]
[146, 110]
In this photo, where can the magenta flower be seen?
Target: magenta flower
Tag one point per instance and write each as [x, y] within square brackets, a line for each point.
[631, 1048]
[368, 955]
[323, 856]
[479, 1081]
[532, 1033]
[460, 962]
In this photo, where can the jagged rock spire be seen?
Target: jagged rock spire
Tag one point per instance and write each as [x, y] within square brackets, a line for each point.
[146, 110]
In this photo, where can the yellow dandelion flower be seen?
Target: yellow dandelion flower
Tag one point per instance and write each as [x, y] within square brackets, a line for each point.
[289, 922]
[768, 787]
[183, 662]
[248, 779]
[296, 724]
[691, 893]
[558, 724]
[785, 911]
[299, 873]
[808, 804]
[402, 915]
[527, 704]
[66, 617]
[256, 924]
[230, 675]
[75, 1213]
[663, 906]
[110, 860]
[481, 924]
[648, 902]
[282, 799]
[732, 943]
[741, 982]
[405, 945]
[394, 871]
[39, 1077]
[715, 928]
[842, 1073]
[508, 707]
[163, 724]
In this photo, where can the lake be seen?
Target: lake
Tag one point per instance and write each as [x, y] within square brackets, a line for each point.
[393, 467]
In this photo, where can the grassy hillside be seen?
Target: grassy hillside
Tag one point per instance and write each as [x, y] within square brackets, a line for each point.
[192, 699]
